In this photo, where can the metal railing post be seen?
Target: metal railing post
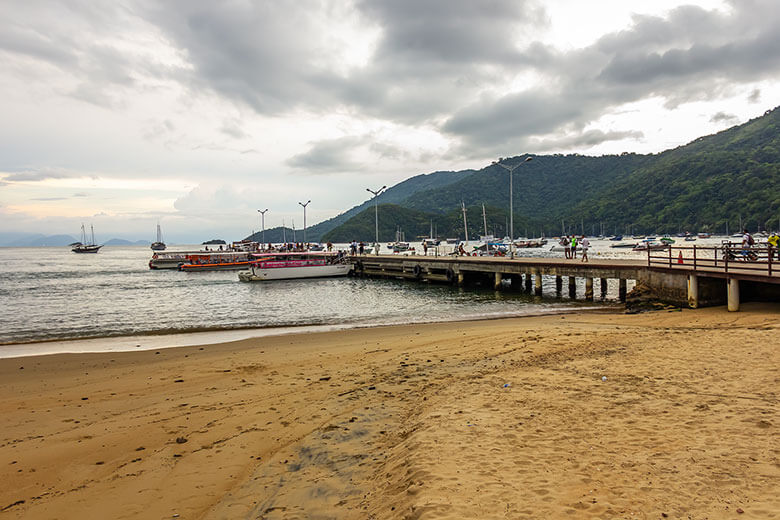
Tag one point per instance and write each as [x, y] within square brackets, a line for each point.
[670, 257]
[694, 257]
[648, 255]
[769, 259]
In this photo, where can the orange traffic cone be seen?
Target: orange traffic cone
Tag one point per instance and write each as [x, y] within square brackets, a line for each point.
[679, 258]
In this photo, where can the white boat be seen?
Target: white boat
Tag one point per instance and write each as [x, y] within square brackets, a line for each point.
[287, 266]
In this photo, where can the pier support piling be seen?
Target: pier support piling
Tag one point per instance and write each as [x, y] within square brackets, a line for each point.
[497, 281]
[589, 289]
[603, 288]
[732, 296]
[572, 287]
[558, 285]
[538, 282]
[528, 282]
[693, 291]
[461, 278]
[622, 290]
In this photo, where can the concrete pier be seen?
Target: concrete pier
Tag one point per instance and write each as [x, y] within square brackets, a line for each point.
[693, 291]
[680, 284]
[732, 296]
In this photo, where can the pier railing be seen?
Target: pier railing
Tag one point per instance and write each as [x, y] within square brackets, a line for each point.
[756, 259]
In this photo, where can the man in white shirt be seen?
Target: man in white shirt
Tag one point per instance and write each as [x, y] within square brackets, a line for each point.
[584, 244]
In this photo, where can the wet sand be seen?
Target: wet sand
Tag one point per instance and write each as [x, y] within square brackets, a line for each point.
[492, 419]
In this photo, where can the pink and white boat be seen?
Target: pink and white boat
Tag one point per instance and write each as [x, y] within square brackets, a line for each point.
[287, 266]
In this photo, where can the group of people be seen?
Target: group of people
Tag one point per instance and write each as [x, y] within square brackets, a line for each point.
[773, 241]
[359, 248]
[570, 245]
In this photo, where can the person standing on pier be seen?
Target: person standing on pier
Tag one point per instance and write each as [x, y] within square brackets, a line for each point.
[574, 247]
[773, 242]
[585, 244]
[566, 243]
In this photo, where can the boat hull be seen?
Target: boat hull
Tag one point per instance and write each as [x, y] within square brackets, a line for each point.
[228, 266]
[86, 249]
[293, 273]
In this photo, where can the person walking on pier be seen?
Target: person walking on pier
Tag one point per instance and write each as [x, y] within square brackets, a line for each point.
[585, 244]
[773, 241]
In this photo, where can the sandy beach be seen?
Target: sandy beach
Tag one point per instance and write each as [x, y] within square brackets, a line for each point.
[667, 414]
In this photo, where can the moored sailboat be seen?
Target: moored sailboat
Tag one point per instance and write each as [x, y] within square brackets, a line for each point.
[83, 247]
[159, 245]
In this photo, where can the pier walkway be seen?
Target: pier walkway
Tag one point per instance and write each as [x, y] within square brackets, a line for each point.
[685, 279]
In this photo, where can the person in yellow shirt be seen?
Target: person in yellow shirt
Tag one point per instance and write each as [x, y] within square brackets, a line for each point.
[773, 240]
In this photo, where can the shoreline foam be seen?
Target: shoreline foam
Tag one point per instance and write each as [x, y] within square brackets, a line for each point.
[160, 339]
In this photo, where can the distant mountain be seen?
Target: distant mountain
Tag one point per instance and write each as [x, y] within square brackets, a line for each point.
[38, 240]
[123, 242]
[711, 183]
[34, 240]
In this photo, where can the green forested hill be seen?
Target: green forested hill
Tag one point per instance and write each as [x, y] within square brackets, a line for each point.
[711, 182]
[721, 178]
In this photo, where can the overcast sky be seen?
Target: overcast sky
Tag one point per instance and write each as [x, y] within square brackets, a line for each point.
[196, 113]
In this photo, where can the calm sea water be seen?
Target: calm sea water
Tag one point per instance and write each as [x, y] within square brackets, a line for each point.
[53, 294]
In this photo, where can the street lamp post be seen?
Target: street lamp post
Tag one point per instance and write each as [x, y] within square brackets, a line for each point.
[511, 169]
[376, 215]
[262, 223]
[304, 220]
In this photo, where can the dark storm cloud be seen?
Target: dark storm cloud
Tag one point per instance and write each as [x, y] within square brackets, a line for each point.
[691, 55]
[722, 117]
[332, 156]
[440, 63]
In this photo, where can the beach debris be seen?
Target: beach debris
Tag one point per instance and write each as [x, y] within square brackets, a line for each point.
[507, 385]
[9, 506]
[181, 440]
[178, 381]
[739, 510]
[326, 378]
[603, 378]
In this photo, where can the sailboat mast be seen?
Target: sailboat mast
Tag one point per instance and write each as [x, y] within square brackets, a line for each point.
[465, 225]
[484, 219]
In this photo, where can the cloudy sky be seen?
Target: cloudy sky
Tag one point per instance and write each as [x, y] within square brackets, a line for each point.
[195, 113]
